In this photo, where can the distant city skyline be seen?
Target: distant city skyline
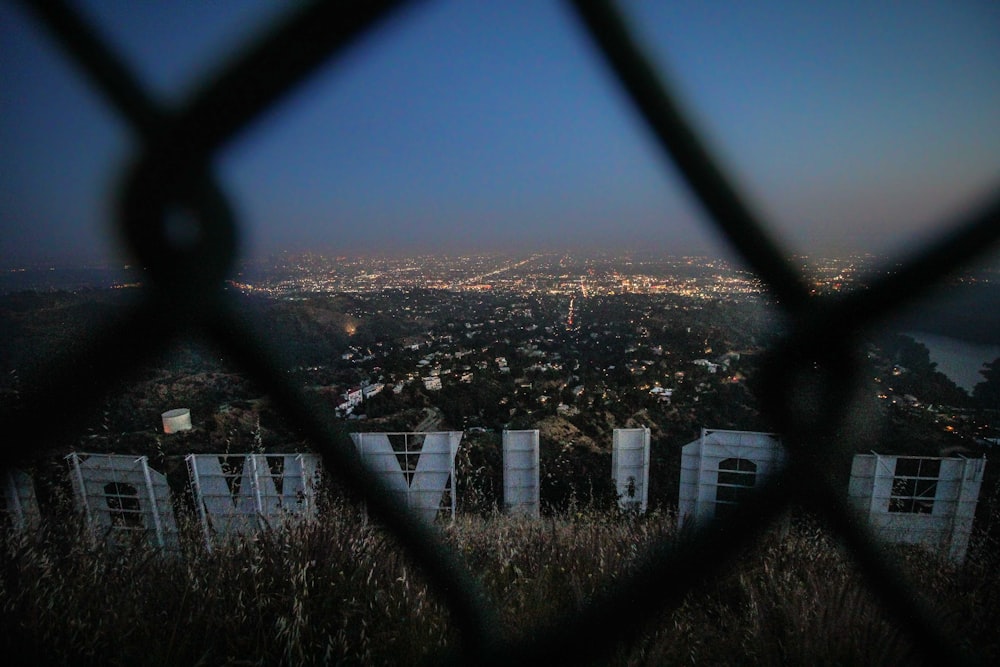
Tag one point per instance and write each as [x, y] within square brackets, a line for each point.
[476, 126]
[637, 271]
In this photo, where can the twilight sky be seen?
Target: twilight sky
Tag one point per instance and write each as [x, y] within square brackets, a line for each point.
[467, 125]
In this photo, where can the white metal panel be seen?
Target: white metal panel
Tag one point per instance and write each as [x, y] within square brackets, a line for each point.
[946, 528]
[20, 506]
[435, 467]
[859, 492]
[965, 510]
[377, 453]
[311, 466]
[698, 496]
[882, 483]
[630, 467]
[521, 491]
[124, 498]
[284, 485]
[949, 487]
[861, 486]
[225, 494]
[417, 470]
[687, 500]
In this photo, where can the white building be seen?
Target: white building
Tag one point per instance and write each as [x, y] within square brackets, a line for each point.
[661, 393]
[371, 390]
[719, 468]
[708, 365]
[353, 396]
[918, 500]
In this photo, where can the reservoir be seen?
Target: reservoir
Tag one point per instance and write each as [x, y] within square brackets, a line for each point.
[961, 361]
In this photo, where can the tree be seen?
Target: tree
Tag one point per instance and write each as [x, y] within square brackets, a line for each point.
[918, 375]
[987, 392]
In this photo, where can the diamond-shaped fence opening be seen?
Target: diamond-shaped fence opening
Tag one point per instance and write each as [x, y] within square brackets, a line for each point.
[818, 356]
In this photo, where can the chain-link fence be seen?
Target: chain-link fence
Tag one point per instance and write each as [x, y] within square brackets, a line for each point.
[809, 379]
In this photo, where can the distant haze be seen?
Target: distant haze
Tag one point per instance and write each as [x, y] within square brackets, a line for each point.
[475, 126]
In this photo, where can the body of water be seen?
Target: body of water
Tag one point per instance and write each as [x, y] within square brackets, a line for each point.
[961, 361]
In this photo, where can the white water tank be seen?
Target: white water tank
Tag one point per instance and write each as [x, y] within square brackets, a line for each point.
[176, 420]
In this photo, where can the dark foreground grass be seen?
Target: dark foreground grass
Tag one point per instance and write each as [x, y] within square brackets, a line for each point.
[339, 591]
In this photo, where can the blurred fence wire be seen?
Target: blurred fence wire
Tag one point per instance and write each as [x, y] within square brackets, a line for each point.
[810, 377]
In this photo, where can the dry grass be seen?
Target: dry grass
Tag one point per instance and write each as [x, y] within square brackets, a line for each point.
[341, 592]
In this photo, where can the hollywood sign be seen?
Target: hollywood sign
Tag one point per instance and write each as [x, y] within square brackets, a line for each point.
[930, 501]
[124, 499]
[127, 502]
[235, 495]
[416, 468]
[521, 470]
[919, 500]
[720, 468]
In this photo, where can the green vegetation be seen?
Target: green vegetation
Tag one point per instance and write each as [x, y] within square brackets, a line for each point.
[340, 591]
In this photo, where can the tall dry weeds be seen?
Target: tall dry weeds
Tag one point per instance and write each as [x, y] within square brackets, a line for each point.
[340, 591]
